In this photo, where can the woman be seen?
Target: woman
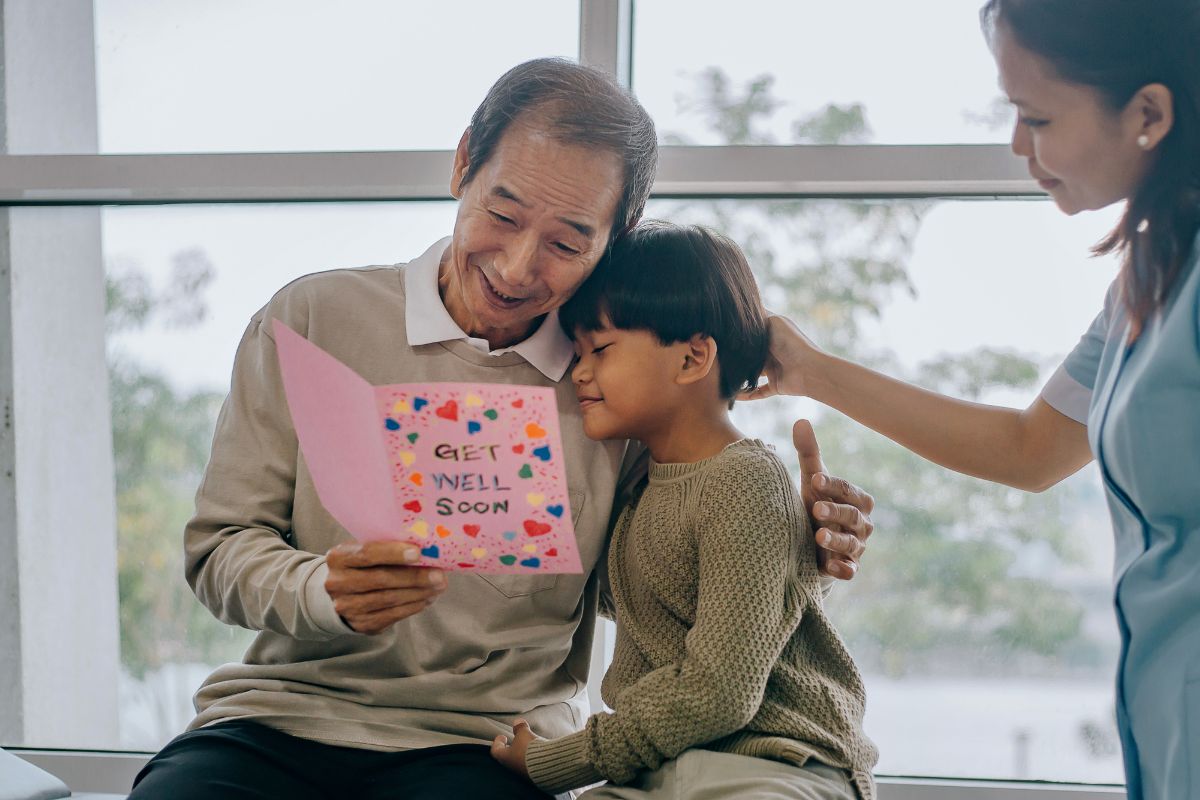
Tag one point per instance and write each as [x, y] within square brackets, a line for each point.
[1107, 93]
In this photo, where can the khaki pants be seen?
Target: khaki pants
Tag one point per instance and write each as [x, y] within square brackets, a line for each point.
[707, 775]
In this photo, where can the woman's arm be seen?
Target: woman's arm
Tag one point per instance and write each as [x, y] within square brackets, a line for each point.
[1031, 449]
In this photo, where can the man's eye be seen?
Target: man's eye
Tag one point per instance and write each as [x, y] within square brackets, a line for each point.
[601, 348]
[1030, 122]
[501, 218]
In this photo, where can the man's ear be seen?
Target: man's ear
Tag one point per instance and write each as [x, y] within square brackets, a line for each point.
[699, 359]
[459, 172]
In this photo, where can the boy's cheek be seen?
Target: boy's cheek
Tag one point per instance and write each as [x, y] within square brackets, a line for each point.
[597, 428]
[591, 429]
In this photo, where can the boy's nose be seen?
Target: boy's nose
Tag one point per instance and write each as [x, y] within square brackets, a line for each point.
[580, 373]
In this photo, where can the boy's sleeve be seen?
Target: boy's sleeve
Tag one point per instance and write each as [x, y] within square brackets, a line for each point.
[635, 467]
[749, 604]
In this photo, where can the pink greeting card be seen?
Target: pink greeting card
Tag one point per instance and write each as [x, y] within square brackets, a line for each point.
[472, 473]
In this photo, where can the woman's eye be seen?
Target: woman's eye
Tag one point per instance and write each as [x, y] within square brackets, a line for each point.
[564, 248]
[600, 349]
[1029, 122]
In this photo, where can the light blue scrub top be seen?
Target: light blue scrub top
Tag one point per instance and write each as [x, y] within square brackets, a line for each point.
[1141, 405]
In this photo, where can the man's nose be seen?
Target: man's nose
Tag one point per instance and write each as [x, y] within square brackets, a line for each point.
[518, 264]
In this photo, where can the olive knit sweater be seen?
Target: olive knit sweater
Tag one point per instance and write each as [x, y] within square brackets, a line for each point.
[722, 638]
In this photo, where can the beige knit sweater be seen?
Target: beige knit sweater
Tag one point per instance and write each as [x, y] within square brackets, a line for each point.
[722, 638]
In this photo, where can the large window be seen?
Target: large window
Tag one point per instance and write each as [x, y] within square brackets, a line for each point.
[280, 75]
[981, 618]
[917, 73]
[182, 284]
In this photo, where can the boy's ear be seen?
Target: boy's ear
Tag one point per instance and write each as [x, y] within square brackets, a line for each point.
[699, 359]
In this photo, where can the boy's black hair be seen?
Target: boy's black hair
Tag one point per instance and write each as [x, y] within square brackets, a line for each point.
[677, 281]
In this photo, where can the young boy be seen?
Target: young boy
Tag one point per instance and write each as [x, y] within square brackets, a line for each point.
[728, 679]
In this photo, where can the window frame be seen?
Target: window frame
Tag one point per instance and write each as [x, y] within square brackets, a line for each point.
[606, 30]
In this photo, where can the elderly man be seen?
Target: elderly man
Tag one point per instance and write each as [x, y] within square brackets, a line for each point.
[370, 677]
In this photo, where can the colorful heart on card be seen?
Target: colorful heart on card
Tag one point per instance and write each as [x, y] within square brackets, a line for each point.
[482, 484]
[471, 473]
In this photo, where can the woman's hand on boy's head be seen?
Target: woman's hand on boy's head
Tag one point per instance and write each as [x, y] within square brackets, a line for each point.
[787, 361]
[839, 510]
[512, 754]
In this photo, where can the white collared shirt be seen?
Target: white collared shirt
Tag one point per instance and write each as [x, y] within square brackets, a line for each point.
[427, 321]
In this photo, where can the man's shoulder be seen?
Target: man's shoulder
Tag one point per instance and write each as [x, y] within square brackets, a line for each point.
[355, 291]
[333, 284]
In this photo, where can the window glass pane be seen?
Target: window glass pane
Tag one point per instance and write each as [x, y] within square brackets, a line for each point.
[183, 282]
[278, 75]
[849, 72]
[981, 618]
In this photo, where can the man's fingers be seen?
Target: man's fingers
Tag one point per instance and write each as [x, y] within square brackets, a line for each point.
[809, 452]
[382, 620]
[374, 554]
[841, 544]
[372, 579]
[355, 605]
[840, 568]
[843, 517]
[843, 491]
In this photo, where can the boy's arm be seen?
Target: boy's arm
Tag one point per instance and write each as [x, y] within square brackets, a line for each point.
[747, 610]
[630, 481]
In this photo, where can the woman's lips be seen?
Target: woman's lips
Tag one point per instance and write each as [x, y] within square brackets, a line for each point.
[587, 402]
[1048, 183]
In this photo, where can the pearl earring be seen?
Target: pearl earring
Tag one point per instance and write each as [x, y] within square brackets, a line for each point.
[1143, 141]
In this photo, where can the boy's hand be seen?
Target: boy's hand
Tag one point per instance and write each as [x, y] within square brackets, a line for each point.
[840, 511]
[513, 755]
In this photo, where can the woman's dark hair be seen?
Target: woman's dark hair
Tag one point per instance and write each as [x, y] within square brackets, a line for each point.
[1117, 47]
[677, 281]
[578, 105]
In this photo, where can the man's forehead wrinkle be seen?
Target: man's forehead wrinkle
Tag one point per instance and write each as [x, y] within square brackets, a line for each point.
[553, 189]
[504, 192]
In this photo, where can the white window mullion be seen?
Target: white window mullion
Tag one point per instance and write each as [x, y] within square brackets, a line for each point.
[606, 37]
[881, 171]
[58, 578]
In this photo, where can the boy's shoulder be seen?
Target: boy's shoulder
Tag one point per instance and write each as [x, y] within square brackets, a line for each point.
[749, 488]
[749, 457]
[747, 469]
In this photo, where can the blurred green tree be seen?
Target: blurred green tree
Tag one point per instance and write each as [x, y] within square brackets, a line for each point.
[161, 439]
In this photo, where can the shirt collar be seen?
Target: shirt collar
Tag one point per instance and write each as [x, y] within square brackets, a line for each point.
[427, 321]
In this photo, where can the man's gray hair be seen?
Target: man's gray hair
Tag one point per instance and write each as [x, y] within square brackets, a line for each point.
[577, 105]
